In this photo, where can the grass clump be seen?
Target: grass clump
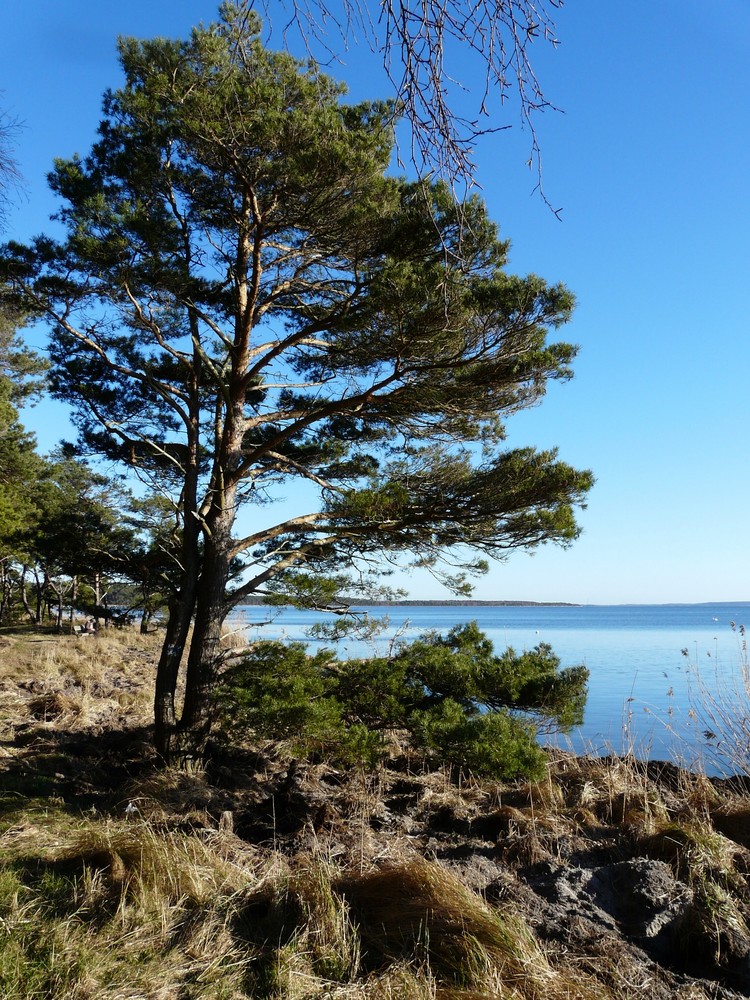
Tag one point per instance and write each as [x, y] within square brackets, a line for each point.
[113, 909]
[332, 936]
[696, 852]
[420, 912]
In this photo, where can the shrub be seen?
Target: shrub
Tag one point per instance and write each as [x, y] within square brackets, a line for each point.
[452, 697]
[279, 692]
[494, 745]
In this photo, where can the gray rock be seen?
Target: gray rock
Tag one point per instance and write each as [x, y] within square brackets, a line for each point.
[639, 899]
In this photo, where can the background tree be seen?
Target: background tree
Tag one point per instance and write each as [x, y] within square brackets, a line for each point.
[71, 536]
[21, 378]
[20, 467]
[152, 563]
[245, 299]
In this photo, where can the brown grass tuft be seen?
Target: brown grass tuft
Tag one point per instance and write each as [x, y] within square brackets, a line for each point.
[421, 914]
[695, 851]
[732, 818]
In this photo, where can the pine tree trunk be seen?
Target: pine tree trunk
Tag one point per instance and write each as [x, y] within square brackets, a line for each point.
[99, 598]
[25, 598]
[205, 646]
[73, 599]
[4, 588]
[167, 672]
[181, 609]
[210, 610]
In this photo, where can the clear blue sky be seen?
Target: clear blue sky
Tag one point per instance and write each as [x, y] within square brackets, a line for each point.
[650, 164]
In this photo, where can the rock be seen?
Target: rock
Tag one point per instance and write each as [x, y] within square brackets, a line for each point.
[638, 899]
[713, 934]
[645, 900]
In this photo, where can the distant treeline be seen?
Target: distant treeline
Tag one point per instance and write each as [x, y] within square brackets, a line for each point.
[411, 602]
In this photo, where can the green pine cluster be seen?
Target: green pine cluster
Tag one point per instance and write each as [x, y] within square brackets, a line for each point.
[449, 697]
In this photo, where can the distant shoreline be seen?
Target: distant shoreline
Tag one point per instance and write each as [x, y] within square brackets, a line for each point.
[412, 602]
[471, 603]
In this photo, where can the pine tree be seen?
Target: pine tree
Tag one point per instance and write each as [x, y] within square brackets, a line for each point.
[246, 298]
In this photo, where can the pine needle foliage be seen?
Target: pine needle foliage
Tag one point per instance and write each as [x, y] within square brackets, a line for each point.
[456, 701]
[245, 299]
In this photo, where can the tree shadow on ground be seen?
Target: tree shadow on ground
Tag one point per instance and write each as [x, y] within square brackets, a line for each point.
[72, 768]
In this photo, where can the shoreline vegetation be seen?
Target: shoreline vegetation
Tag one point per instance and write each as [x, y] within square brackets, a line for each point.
[257, 875]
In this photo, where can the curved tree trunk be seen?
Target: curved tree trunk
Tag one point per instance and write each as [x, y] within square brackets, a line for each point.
[205, 646]
[181, 609]
[167, 672]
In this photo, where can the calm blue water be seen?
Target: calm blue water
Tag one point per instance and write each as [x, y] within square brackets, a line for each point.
[642, 688]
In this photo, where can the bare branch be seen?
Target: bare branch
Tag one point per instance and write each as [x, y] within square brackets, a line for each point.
[284, 527]
[422, 42]
[10, 176]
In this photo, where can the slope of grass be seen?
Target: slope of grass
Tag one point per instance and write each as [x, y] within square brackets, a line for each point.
[254, 879]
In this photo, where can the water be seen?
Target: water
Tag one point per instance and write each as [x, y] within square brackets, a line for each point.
[642, 687]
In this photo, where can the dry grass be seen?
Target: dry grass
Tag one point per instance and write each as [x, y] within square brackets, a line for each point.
[79, 682]
[420, 913]
[111, 909]
[696, 852]
[718, 720]
[171, 905]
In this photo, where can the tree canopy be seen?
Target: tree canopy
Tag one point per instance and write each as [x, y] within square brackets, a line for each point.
[246, 298]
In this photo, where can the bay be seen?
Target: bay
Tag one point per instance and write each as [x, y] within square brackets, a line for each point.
[650, 666]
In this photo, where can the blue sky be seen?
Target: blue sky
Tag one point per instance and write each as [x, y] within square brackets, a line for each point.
[649, 163]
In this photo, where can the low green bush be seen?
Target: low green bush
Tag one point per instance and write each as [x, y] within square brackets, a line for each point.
[279, 692]
[451, 696]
